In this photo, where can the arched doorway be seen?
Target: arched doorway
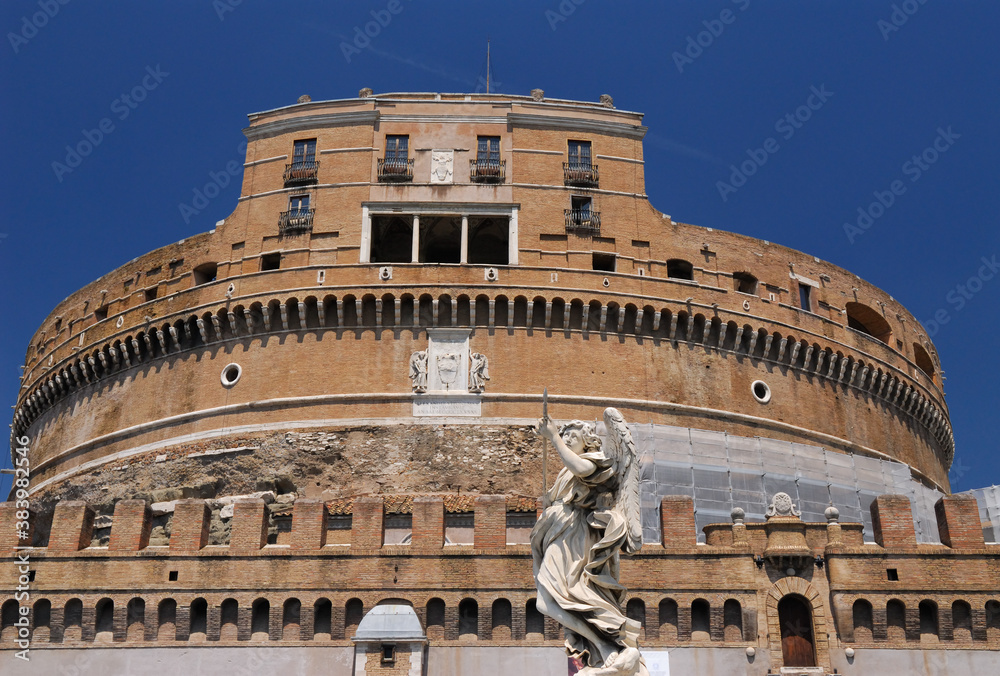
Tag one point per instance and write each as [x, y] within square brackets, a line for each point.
[795, 619]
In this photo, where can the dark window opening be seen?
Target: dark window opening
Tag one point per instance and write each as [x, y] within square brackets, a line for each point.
[270, 261]
[298, 218]
[680, 269]
[468, 618]
[744, 282]
[31, 576]
[928, 620]
[42, 614]
[440, 239]
[488, 149]
[392, 239]
[101, 313]
[205, 273]
[172, 576]
[923, 360]
[700, 620]
[489, 240]
[892, 574]
[322, 617]
[105, 616]
[534, 622]
[260, 616]
[388, 653]
[805, 297]
[150, 293]
[199, 616]
[604, 261]
[869, 321]
[396, 147]
[581, 214]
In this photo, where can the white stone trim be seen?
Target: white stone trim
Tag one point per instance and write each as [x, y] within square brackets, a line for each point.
[265, 160]
[620, 159]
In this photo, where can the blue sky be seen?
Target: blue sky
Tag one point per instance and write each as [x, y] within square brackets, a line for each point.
[714, 78]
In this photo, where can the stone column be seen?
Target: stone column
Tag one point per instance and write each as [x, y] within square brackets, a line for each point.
[415, 251]
[465, 239]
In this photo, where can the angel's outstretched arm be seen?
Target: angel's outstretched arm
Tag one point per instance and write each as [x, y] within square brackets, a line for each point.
[574, 463]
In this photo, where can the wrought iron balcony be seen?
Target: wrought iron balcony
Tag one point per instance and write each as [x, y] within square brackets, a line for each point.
[392, 170]
[584, 220]
[487, 171]
[295, 221]
[582, 174]
[301, 172]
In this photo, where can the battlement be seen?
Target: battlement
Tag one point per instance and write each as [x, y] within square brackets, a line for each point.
[437, 522]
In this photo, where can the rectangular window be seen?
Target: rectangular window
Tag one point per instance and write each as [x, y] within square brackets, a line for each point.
[397, 147]
[305, 151]
[581, 205]
[488, 149]
[270, 261]
[298, 205]
[579, 154]
[805, 297]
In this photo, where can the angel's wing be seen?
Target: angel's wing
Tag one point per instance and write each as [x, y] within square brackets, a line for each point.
[622, 451]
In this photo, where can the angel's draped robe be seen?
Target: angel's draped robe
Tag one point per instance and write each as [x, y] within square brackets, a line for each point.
[575, 548]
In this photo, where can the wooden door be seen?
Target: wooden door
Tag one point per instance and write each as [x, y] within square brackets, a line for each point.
[795, 618]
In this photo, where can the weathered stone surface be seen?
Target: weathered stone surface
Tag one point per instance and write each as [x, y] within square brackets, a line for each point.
[161, 508]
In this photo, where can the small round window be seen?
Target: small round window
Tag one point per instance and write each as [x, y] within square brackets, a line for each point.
[231, 374]
[761, 392]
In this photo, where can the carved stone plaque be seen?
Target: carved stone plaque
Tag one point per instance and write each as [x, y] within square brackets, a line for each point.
[442, 166]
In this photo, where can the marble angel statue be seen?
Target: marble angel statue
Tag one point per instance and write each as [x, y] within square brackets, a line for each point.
[590, 517]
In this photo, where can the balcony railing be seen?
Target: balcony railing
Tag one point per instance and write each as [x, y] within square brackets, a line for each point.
[301, 172]
[583, 174]
[583, 219]
[487, 171]
[392, 170]
[295, 221]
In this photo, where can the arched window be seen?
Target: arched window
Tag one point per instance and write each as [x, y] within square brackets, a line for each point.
[354, 611]
[166, 617]
[895, 620]
[104, 619]
[924, 361]
[668, 620]
[322, 619]
[680, 269]
[501, 620]
[435, 619]
[744, 282]
[635, 610]
[41, 618]
[862, 318]
[732, 621]
[992, 620]
[961, 621]
[468, 619]
[229, 619]
[863, 623]
[795, 620]
[205, 273]
[199, 618]
[534, 622]
[700, 621]
[73, 619]
[928, 621]
[8, 619]
[290, 615]
[260, 619]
